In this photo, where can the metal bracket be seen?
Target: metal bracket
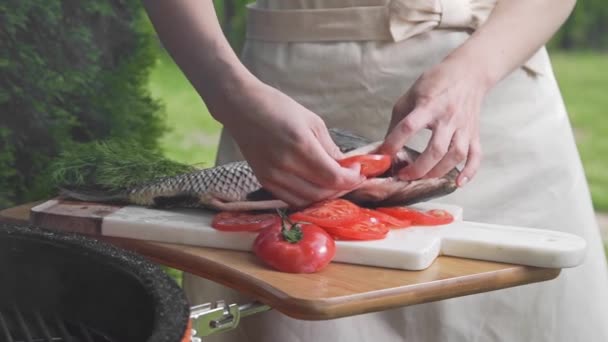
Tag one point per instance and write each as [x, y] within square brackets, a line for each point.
[212, 318]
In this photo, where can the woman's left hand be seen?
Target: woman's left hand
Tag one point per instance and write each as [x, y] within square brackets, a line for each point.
[447, 100]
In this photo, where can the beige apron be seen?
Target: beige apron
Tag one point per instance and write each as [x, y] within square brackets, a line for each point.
[349, 61]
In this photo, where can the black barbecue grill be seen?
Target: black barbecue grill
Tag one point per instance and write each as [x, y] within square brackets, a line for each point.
[65, 287]
[19, 326]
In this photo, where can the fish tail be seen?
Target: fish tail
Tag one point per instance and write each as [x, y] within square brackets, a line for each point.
[93, 195]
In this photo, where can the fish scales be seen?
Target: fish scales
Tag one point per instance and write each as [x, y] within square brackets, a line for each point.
[229, 182]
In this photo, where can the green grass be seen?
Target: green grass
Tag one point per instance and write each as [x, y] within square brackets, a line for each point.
[193, 134]
[583, 79]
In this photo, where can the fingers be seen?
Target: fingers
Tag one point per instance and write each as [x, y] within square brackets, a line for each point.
[284, 195]
[434, 152]
[296, 191]
[327, 173]
[457, 153]
[312, 174]
[328, 143]
[404, 130]
[472, 164]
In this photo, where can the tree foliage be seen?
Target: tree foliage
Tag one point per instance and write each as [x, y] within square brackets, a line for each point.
[70, 71]
[586, 28]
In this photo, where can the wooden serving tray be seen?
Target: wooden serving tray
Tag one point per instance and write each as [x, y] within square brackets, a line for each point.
[339, 290]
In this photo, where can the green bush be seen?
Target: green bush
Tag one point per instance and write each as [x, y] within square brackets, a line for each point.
[70, 71]
[586, 28]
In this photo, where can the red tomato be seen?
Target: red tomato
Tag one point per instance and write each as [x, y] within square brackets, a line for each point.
[243, 221]
[301, 248]
[422, 218]
[388, 220]
[372, 165]
[368, 228]
[329, 213]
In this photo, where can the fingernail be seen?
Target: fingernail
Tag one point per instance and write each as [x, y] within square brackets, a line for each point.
[463, 181]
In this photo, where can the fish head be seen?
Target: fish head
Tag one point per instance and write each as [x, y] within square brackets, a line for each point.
[388, 189]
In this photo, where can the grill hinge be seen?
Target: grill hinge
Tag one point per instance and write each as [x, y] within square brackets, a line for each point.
[212, 318]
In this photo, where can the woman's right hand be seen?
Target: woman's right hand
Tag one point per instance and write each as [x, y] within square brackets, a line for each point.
[288, 147]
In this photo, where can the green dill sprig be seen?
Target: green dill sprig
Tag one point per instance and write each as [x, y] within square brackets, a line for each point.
[112, 165]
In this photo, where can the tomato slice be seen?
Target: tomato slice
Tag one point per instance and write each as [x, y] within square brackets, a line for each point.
[368, 228]
[372, 165]
[402, 213]
[432, 217]
[439, 216]
[329, 213]
[388, 220]
[231, 221]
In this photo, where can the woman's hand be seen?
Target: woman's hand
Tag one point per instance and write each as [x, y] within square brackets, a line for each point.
[447, 100]
[288, 146]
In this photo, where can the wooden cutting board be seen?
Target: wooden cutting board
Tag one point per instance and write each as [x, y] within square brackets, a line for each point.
[413, 248]
[340, 290]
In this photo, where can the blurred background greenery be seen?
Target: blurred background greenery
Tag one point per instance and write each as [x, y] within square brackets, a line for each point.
[74, 71]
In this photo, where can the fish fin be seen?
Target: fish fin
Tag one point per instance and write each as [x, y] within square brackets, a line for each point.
[179, 200]
[91, 194]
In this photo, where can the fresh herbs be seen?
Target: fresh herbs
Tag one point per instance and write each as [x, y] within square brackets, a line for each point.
[112, 165]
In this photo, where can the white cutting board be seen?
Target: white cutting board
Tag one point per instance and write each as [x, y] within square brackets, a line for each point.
[413, 248]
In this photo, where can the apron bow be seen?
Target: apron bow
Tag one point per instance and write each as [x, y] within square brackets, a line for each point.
[408, 18]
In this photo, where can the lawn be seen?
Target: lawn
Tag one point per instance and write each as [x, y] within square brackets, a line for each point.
[582, 77]
[193, 134]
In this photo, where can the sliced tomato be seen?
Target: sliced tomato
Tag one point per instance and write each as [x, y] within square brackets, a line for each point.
[439, 216]
[243, 221]
[372, 165]
[329, 213]
[402, 213]
[432, 217]
[368, 228]
[388, 220]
